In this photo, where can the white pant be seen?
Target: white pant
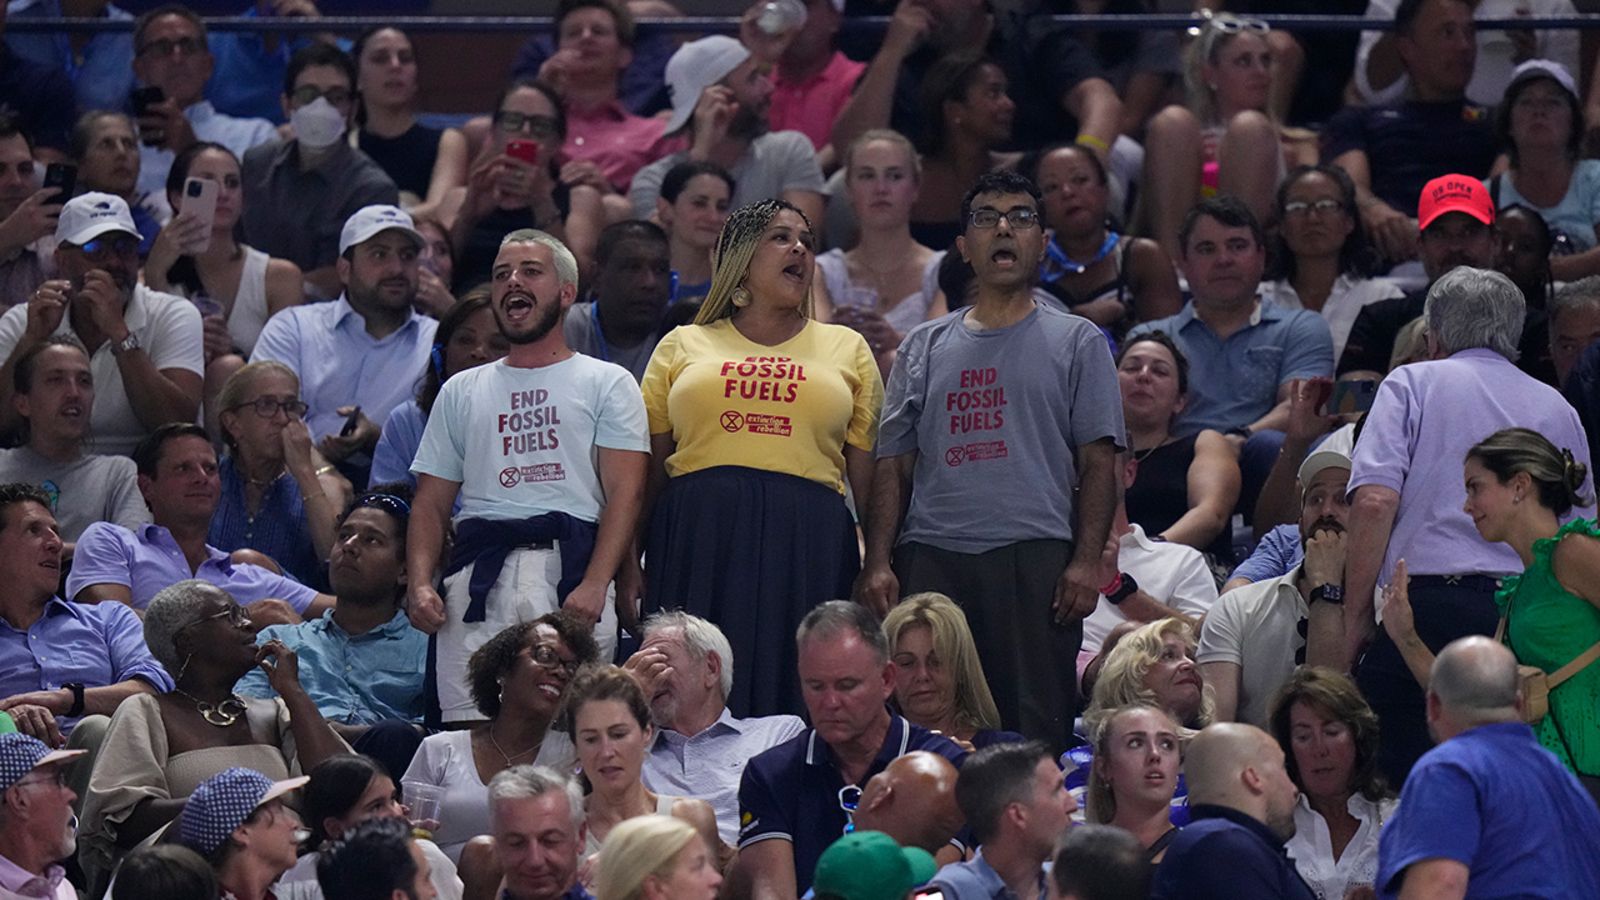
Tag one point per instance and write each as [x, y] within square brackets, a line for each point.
[525, 590]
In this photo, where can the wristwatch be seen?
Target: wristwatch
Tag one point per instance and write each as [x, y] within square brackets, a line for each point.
[131, 342]
[77, 699]
[1328, 593]
[1125, 588]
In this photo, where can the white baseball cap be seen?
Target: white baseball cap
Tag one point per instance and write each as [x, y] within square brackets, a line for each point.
[87, 216]
[1544, 68]
[1333, 453]
[371, 221]
[696, 66]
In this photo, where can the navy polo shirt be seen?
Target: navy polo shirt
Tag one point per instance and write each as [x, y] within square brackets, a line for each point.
[1226, 855]
[791, 792]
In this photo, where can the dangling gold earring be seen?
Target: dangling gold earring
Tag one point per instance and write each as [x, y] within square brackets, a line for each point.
[741, 297]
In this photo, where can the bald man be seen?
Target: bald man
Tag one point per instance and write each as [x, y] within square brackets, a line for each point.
[913, 800]
[1488, 812]
[1242, 803]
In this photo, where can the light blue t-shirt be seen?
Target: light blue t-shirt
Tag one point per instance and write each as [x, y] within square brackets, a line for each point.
[522, 441]
[1577, 213]
[1234, 382]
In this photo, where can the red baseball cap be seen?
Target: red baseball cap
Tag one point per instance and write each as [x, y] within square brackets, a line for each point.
[1454, 193]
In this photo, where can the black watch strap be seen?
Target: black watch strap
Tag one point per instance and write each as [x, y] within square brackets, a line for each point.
[1328, 593]
[77, 699]
[1125, 590]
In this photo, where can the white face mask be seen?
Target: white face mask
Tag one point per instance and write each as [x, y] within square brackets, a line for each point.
[317, 124]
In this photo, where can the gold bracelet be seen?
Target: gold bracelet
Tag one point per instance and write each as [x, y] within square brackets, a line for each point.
[324, 470]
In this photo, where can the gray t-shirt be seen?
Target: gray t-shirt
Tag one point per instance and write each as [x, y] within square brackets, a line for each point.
[583, 335]
[996, 418]
[88, 490]
[777, 161]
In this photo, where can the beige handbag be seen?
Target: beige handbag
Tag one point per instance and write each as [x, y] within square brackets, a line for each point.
[1535, 684]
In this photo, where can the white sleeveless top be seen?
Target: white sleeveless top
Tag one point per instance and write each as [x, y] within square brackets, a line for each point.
[249, 312]
[905, 314]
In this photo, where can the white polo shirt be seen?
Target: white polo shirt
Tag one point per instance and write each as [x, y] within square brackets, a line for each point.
[1256, 627]
[1174, 574]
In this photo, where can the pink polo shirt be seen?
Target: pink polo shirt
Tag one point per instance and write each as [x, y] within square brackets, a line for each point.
[617, 141]
[810, 107]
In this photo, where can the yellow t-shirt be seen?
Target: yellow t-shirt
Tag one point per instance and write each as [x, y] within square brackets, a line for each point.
[791, 408]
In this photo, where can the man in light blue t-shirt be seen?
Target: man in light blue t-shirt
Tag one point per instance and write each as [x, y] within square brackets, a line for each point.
[1001, 421]
[547, 449]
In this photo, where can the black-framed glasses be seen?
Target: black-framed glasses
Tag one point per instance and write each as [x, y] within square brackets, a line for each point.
[308, 93]
[111, 245]
[267, 407]
[849, 801]
[545, 657]
[542, 127]
[1018, 217]
[389, 503]
[1324, 207]
[187, 46]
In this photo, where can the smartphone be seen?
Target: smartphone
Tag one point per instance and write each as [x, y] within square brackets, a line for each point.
[527, 151]
[63, 177]
[1352, 397]
[350, 423]
[142, 99]
[200, 201]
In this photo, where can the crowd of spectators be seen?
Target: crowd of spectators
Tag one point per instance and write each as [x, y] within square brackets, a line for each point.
[974, 458]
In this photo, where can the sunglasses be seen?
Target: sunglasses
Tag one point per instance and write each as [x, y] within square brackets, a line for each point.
[389, 503]
[120, 245]
[849, 801]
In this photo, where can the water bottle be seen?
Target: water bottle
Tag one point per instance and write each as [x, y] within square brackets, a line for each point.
[779, 16]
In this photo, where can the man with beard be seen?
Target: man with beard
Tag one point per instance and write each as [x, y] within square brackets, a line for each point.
[1017, 404]
[685, 666]
[547, 450]
[36, 823]
[27, 216]
[1243, 807]
[1255, 635]
[720, 94]
[357, 357]
[146, 350]
[633, 284]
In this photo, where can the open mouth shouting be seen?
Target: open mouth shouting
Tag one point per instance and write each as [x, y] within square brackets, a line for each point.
[517, 307]
[795, 272]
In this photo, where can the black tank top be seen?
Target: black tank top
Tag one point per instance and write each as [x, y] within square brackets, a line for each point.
[1159, 496]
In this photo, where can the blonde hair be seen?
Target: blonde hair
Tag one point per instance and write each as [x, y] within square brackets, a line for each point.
[636, 849]
[888, 135]
[239, 384]
[736, 245]
[1101, 806]
[1216, 33]
[1121, 680]
[565, 263]
[952, 641]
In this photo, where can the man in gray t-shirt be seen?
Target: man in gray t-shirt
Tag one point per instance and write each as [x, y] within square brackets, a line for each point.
[632, 287]
[54, 394]
[993, 417]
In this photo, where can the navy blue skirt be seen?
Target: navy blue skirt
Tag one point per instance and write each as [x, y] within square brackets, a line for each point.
[752, 551]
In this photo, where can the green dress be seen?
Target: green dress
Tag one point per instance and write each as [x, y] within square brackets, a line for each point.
[1548, 628]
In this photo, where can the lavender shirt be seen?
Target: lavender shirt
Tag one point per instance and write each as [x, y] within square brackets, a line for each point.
[149, 559]
[1424, 419]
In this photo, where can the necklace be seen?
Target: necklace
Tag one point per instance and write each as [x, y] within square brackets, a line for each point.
[219, 714]
[508, 757]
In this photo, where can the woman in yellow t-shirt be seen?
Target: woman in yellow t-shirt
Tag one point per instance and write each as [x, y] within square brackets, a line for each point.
[759, 415]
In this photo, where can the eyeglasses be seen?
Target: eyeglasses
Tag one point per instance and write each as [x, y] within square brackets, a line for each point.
[120, 245]
[542, 127]
[267, 407]
[187, 46]
[234, 612]
[1018, 217]
[545, 657]
[389, 503]
[1323, 207]
[849, 801]
[308, 93]
[55, 777]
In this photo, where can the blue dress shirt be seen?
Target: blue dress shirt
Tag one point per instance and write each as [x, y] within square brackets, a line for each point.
[340, 364]
[93, 644]
[150, 559]
[975, 879]
[101, 73]
[354, 679]
[278, 528]
[709, 765]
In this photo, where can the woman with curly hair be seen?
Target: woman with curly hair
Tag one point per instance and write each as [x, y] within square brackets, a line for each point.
[759, 416]
[518, 680]
[1329, 737]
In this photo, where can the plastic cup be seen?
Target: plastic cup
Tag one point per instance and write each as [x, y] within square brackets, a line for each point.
[424, 801]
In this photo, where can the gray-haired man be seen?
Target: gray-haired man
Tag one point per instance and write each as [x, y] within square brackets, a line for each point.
[685, 666]
[536, 815]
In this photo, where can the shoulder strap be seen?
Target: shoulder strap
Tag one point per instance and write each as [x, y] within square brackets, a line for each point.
[1577, 665]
